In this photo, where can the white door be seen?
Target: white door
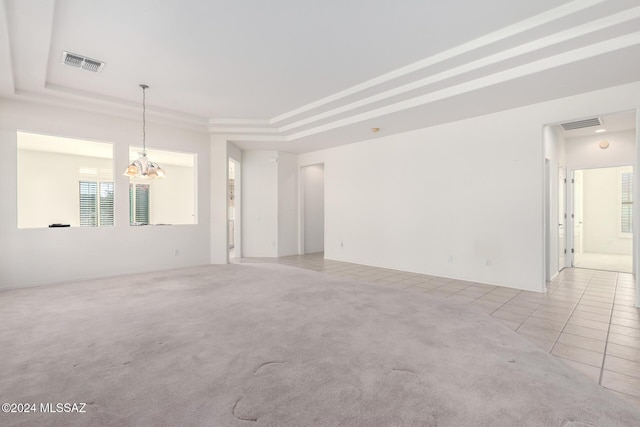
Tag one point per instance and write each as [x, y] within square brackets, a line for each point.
[562, 217]
[577, 217]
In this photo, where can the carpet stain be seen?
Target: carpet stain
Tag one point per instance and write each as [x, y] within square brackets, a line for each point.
[241, 418]
[276, 362]
[573, 423]
[404, 370]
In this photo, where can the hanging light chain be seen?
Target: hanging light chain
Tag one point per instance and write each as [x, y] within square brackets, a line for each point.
[144, 118]
[143, 167]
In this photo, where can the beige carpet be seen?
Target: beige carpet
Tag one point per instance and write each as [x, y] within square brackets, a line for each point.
[269, 345]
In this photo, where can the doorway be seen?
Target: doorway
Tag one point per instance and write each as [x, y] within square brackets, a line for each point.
[562, 218]
[576, 147]
[233, 210]
[602, 229]
[312, 206]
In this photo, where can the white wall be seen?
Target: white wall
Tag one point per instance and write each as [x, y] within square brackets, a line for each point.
[444, 200]
[462, 200]
[601, 199]
[287, 204]
[260, 203]
[269, 204]
[313, 208]
[172, 199]
[584, 152]
[48, 190]
[43, 255]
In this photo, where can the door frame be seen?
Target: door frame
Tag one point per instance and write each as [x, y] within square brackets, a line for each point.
[573, 217]
[237, 217]
[301, 210]
[562, 216]
[547, 218]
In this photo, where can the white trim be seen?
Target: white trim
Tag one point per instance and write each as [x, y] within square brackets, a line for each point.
[475, 65]
[490, 80]
[504, 33]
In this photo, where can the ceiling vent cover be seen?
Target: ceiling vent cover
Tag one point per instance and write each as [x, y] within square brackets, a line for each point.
[75, 60]
[586, 123]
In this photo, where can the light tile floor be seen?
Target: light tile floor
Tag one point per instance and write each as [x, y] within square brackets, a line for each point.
[587, 318]
[611, 262]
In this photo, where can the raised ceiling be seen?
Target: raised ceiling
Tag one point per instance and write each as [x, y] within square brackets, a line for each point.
[301, 75]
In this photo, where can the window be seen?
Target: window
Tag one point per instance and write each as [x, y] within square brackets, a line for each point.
[106, 203]
[171, 200]
[96, 207]
[63, 180]
[626, 208]
[138, 204]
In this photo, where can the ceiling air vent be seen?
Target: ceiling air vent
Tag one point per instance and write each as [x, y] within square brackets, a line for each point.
[83, 62]
[586, 123]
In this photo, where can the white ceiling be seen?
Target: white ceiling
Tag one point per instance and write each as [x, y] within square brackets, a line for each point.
[616, 122]
[300, 75]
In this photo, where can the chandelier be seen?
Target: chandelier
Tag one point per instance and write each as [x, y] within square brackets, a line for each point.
[143, 167]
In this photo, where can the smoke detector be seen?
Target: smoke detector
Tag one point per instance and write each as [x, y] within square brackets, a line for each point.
[79, 61]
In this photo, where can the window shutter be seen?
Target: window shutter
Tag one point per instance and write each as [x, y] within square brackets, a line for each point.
[138, 204]
[106, 203]
[131, 204]
[88, 204]
[142, 203]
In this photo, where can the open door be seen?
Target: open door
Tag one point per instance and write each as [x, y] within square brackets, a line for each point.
[577, 216]
[562, 218]
[233, 210]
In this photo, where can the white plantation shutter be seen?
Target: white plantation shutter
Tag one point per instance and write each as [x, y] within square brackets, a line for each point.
[106, 203]
[139, 204]
[96, 208]
[626, 218]
[142, 203]
[88, 204]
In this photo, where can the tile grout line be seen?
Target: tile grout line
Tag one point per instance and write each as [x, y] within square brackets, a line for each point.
[569, 318]
[503, 304]
[606, 342]
[565, 323]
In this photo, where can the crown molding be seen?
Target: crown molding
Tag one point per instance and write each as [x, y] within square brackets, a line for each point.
[493, 79]
[236, 122]
[504, 33]
[496, 58]
[116, 108]
[507, 54]
[356, 112]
